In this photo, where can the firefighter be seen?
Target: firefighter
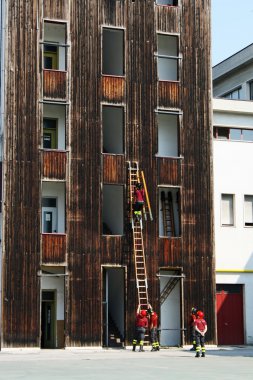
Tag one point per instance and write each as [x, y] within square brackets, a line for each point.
[139, 197]
[153, 321]
[200, 326]
[141, 324]
[192, 328]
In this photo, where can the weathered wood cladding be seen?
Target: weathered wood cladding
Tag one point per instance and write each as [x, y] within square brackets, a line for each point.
[170, 252]
[56, 9]
[54, 164]
[168, 94]
[54, 84]
[21, 243]
[53, 249]
[169, 171]
[87, 250]
[197, 206]
[114, 170]
[113, 89]
[167, 19]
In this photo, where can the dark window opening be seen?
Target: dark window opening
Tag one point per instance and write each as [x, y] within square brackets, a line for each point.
[229, 288]
[233, 134]
[113, 52]
[113, 129]
[167, 2]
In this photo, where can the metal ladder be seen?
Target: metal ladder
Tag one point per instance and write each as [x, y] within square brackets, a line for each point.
[168, 215]
[168, 289]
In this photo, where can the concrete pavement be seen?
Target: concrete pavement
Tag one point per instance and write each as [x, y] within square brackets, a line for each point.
[226, 363]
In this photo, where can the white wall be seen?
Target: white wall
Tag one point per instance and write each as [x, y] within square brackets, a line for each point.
[233, 175]
[232, 163]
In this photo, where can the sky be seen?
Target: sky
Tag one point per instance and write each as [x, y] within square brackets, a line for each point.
[232, 27]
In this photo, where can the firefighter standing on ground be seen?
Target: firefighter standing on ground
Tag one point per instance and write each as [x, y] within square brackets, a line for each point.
[153, 321]
[141, 324]
[200, 326]
[192, 328]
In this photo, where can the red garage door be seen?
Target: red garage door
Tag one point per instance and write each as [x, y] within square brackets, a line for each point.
[230, 314]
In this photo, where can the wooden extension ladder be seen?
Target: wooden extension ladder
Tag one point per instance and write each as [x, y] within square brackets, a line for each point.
[139, 255]
[168, 214]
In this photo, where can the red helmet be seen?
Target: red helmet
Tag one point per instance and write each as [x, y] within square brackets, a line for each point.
[200, 314]
[143, 313]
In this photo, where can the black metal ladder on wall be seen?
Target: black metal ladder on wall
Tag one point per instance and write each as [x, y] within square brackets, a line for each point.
[168, 214]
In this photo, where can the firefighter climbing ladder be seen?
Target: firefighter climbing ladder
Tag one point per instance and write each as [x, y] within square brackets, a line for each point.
[139, 255]
[167, 212]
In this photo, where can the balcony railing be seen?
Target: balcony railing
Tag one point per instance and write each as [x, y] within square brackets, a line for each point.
[53, 248]
[168, 94]
[113, 88]
[54, 84]
[54, 164]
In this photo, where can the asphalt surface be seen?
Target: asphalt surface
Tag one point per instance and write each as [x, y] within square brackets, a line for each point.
[111, 364]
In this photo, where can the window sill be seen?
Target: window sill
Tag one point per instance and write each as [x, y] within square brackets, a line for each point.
[113, 154]
[172, 157]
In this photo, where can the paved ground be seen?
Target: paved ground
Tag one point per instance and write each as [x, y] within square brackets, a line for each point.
[225, 363]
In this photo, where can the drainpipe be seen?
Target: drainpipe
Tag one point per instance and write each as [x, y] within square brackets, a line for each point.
[2, 101]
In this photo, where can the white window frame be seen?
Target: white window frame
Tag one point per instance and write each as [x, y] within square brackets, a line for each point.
[170, 58]
[230, 213]
[248, 199]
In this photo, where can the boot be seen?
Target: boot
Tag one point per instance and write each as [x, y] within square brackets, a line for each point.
[197, 355]
[134, 347]
[153, 349]
[203, 354]
[193, 347]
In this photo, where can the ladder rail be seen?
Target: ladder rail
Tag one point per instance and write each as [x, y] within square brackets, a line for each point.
[146, 195]
[138, 244]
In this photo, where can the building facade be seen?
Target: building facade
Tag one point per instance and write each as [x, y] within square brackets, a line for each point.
[89, 87]
[233, 197]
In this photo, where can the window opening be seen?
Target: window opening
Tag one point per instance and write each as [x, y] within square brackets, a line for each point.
[248, 210]
[50, 57]
[168, 134]
[167, 57]
[247, 135]
[113, 52]
[167, 2]
[54, 127]
[227, 209]
[113, 129]
[113, 210]
[251, 90]
[233, 134]
[54, 51]
[49, 133]
[169, 212]
[53, 207]
[235, 94]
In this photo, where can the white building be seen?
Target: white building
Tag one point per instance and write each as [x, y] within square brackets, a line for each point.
[233, 196]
